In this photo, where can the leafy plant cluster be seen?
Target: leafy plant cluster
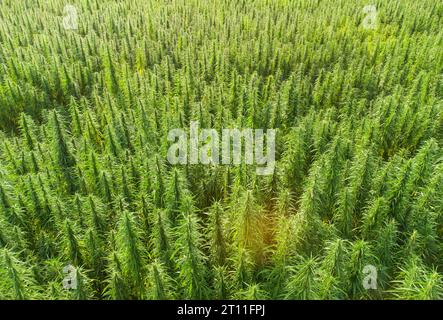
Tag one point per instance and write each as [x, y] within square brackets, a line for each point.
[84, 179]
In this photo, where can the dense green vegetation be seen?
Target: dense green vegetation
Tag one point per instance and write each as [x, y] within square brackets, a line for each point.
[84, 118]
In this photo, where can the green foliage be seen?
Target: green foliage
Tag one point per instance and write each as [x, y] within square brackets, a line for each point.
[84, 178]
